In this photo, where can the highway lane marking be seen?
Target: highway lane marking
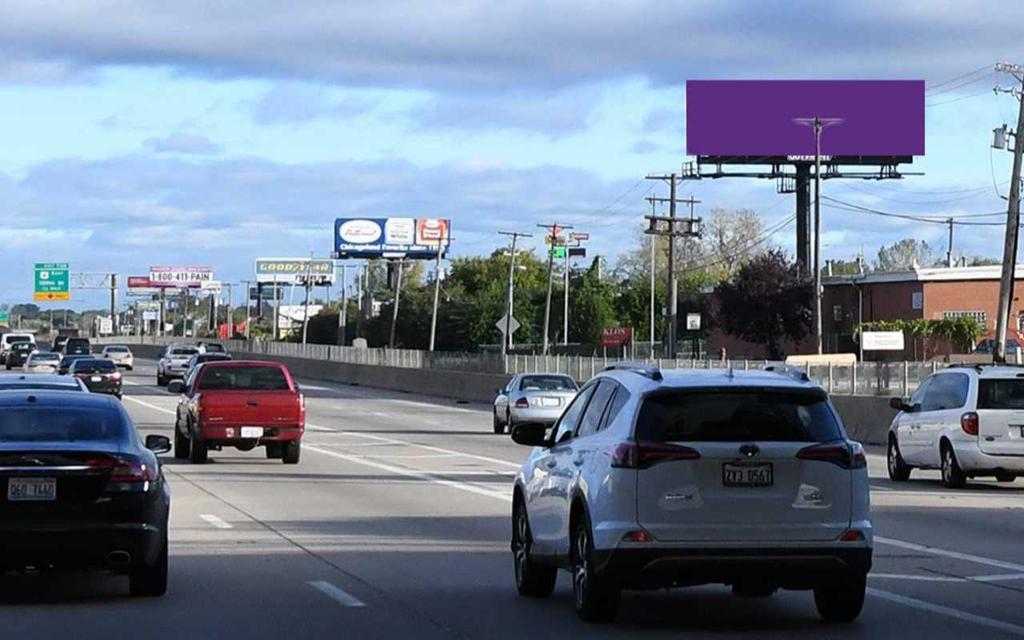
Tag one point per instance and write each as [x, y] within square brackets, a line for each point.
[956, 555]
[963, 616]
[215, 521]
[420, 475]
[1002, 577]
[343, 598]
[152, 406]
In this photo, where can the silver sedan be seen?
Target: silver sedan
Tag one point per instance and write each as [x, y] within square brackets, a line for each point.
[533, 397]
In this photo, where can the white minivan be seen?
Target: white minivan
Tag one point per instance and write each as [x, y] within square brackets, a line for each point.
[966, 421]
[7, 339]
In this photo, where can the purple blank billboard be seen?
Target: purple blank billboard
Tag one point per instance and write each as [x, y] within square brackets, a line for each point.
[754, 118]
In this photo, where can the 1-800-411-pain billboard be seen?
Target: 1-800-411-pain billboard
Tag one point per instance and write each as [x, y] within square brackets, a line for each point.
[761, 118]
[391, 237]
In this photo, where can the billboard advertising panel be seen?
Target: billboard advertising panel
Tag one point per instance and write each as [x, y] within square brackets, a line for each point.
[295, 270]
[390, 237]
[756, 118]
[142, 286]
[179, 277]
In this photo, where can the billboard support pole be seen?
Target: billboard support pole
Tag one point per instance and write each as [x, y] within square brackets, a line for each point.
[343, 309]
[113, 304]
[437, 295]
[394, 309]
[277, 309]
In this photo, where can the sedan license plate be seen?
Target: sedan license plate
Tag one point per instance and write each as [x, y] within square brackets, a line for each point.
[96, 379]
[252, 432]
[26, 489]
[747, 475]
[550, 402]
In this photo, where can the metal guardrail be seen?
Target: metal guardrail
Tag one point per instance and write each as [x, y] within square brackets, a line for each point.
[862, 378]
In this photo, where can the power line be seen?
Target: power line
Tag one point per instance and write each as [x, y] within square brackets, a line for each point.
[739, 252]
[849, 206]
[985, 68]
[958, 99]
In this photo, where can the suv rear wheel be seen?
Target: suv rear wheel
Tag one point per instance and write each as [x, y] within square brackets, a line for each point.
[898, 469]
[596, 596]
[532, 580]
[953, 477]
[842, 600]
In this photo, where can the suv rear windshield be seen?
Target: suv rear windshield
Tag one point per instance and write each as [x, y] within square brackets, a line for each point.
[13, 339]
[94, 366]
[116, 349]
[547, 383]
[1005, 393]
[63, 424]
[243, 378]
[736, 416]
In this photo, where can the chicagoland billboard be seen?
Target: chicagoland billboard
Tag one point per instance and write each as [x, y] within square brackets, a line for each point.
[391, 237]
[758, 118]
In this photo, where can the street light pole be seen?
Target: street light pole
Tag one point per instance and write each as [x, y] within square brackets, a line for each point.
[506, 343]
[437, 294]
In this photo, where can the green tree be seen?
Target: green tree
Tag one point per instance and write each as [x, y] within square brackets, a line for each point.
[905, 255]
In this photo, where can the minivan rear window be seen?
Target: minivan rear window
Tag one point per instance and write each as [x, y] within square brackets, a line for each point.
[737, 416]
[1005, 393]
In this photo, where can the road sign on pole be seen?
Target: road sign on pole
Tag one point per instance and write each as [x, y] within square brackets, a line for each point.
[5, 318]
[52, 282]
[513, 324]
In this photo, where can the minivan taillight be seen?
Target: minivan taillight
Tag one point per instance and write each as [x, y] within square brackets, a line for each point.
[848, 455]
[643, 455]
[969, 423]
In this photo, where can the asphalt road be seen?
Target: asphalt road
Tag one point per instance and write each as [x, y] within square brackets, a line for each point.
[395, 524]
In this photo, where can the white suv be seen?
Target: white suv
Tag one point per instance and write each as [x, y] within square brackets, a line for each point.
[966, 421]
[652, 481]
[174, 362]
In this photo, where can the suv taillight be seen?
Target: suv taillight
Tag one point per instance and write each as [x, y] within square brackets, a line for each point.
[969, 423]
[644, 455]
[848, 455]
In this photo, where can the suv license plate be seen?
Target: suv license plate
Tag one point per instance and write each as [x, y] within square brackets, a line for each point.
[747, 475]
[252, 432]
[25, 489]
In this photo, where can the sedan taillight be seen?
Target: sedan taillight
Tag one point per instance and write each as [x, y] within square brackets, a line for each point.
[522, 403]
[125, 473]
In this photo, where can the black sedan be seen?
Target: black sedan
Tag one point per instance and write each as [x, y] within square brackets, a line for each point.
[81, 489]
[19, 353]
[100, 376]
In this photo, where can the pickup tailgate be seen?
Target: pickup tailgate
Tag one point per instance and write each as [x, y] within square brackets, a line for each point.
[251, 408]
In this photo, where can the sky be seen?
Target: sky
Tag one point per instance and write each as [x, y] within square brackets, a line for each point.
[194, 133]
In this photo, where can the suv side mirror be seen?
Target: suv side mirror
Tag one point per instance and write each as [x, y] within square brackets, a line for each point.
[158, 443]
[176, 386]
[901, 404]
[530, 434]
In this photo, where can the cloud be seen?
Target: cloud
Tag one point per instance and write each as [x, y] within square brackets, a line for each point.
[298, 103]
[481, 44]
[185, 143]
[549, 112]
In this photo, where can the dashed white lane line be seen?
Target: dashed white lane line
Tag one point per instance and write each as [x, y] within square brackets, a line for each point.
[950, 612]
[215, 521]
[956, 555]
[151, 406]
[343, 598]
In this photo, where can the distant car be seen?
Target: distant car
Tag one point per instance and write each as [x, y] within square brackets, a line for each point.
[19, 353]
[81, 489]
[8, 339]
[77, 346]
[174, 362]
[119, 355]
[42, 362]
[39, 382]
[200, 358]
[533, 397]
[241, 404]
[211, 347]
[100, 376]
[66, 361]
[965, 421]
[58, 343]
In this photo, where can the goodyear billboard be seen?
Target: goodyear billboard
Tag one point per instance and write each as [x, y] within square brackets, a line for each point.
[391, 237]
[295, 270]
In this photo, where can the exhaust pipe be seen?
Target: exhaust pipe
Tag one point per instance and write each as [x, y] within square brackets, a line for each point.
[119, 559]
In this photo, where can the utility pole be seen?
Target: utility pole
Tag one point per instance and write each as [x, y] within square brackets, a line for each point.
[1006, 282]
[565, 301]
[437, 294]
[506, 344]
[343, 309]
[248, 302]
[554, 228]
[113, 303]
[817, 124]
[654, 243]
[231, 310]
[305, 306]
[949, 249]
[692, 230]
[394, 309]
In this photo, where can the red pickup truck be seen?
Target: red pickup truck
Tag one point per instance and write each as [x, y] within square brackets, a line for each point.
[242, 404]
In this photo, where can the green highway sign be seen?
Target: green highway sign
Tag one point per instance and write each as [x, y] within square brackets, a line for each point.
[52, 281]
[558, 252]
[5, 318]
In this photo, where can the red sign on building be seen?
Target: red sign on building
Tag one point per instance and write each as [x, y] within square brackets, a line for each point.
[616, 336]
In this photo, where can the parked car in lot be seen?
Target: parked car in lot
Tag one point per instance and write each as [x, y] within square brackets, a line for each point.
[968, 422]
[19, 353]
[11, 338]
[81, 489]
[200, 358]
[67, 361]
[100, 376]
[174, 362]
[120, 355]
[42, 362]
[654, 480]
[532, 397]
[76, 346]
[39, 382]
[242, 404]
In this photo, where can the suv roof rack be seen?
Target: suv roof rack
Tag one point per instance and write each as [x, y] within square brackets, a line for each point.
[789, 370]
[642, 368]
